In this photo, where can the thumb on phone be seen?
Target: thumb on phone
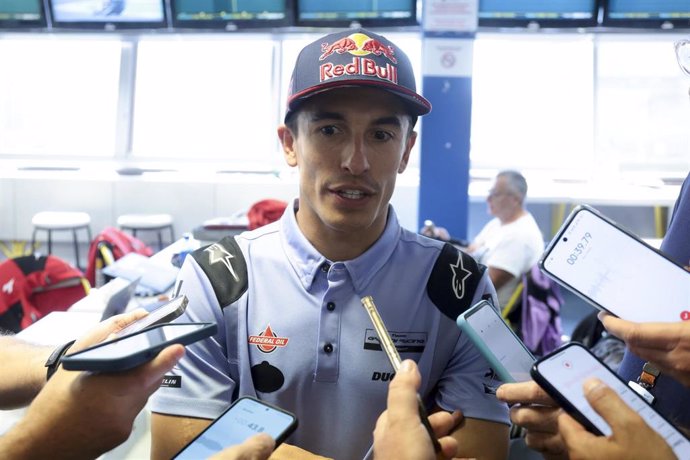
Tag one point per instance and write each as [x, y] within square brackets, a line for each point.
[609, 405]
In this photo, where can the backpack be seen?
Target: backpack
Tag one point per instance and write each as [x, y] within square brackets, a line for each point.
[31, 287]
[107, 247]
[533, 311]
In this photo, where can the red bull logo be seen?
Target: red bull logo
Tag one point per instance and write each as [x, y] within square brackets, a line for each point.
[267, 341]
[360, 46]
[341, 46]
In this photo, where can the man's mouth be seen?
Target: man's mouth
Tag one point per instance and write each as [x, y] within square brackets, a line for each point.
[351, 194]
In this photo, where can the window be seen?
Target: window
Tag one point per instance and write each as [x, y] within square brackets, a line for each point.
[533, 103]
[202, 98]
[642, 105]
[58, 96]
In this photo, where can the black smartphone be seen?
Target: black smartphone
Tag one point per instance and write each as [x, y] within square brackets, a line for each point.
[496, 341]
[136, 349]
[246, 417]
[562, 373]
[163, 314]
[615, 271]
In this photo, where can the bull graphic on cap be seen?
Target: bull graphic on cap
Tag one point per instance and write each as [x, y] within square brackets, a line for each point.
[360, 45]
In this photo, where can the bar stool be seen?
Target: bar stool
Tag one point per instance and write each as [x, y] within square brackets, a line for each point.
[148, 222]
[53, 221]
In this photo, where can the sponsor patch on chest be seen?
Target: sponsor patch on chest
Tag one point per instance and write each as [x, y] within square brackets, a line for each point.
[405, 342]
[267, 340]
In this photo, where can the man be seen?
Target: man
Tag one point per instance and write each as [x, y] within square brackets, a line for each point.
[511, 242]
[289, 293]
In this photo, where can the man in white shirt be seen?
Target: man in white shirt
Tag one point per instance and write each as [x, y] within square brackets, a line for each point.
[511, 242]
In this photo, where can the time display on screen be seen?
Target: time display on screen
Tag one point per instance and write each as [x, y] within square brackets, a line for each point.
[579, 248]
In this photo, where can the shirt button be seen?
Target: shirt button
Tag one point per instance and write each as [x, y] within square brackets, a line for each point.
[325, 268]
[330, 306]
[328, 348]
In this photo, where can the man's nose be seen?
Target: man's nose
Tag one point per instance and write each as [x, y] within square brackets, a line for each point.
[355, 159]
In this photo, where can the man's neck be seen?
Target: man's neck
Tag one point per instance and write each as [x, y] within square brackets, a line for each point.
[513, 216]
[340, 245]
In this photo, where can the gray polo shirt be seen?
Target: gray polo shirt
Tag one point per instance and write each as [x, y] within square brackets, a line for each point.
[299, 338]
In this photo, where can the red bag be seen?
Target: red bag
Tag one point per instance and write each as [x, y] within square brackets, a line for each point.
[112, 243]
[31, 287]
[264, 212]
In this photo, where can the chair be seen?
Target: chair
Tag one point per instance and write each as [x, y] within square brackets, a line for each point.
[53, 221]
[148, 222]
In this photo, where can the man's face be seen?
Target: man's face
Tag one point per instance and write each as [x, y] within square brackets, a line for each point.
[502, 199]
[350, 145]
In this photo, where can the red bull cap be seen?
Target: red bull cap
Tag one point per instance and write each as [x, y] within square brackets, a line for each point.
[354, 57]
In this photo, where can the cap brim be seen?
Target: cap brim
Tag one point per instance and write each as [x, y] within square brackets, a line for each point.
[417, 104]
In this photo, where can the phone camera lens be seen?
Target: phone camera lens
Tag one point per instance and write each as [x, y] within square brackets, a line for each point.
[565, 239]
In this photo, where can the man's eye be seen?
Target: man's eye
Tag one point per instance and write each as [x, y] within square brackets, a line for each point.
[382, 135]
[328, 130]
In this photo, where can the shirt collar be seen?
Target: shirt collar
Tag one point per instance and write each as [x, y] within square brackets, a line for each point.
[307, 261]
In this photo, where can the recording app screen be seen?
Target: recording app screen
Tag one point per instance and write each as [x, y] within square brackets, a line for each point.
[148, 339]
[505, 347]
[617, 272]
[244, 419]
[567, 371]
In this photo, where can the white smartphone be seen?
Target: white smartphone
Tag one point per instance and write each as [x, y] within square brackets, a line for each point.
[163, 314]
[246, 417]
[496, 341]
[136, 349]
[562, 373]
[616, 271]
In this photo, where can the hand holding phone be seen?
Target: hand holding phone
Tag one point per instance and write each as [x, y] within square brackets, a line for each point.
[136, 349]
[246, 417]
[563, 373]
[496, 341]
[631, 439]
[615, 271]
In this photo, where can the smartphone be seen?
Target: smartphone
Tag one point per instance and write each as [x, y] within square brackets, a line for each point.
[163, 314]
[246, 417]
[615, 271]
[496, 341]
[136, 349]
[562, 373]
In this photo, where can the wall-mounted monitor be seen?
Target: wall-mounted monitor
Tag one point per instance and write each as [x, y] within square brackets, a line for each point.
[108, 14]
[368, 13]
[538, 13]
[231, 14]
[663, 14]
[21, 14]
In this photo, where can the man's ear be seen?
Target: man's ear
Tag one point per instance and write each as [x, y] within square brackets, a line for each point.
[406, 154]
[287, 140]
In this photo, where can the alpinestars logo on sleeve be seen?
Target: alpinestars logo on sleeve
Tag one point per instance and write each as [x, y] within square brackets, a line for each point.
[216, 253]
[460, 274]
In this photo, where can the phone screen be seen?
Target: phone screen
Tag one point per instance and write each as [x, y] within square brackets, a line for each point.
[133, 350]
[500, 341]
[245, 418]
[617, 272]
[163, 314]
[563, 373]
